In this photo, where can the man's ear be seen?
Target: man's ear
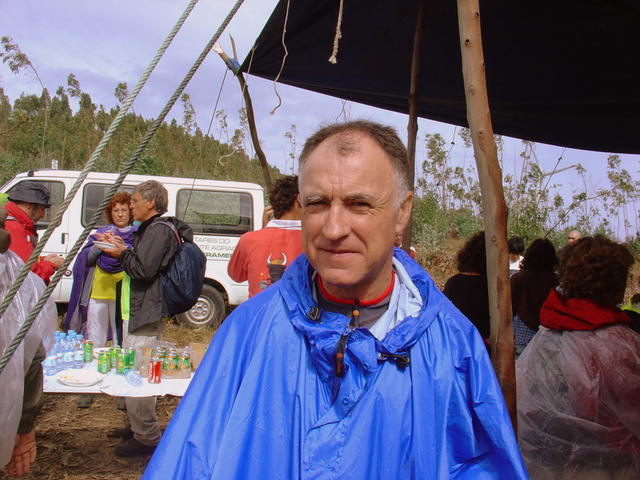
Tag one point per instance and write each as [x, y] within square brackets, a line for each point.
[404, 212]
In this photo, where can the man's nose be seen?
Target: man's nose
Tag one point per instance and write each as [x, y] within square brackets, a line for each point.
[336, 224]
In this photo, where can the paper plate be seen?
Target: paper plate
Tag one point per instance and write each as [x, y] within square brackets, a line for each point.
[79, 378]
[107, 245]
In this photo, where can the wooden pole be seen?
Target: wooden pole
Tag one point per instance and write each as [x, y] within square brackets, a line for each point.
[251, 119]
[414, 101]
[493, 204]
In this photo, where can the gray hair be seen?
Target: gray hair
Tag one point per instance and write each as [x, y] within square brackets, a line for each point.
[152, 190]
[345, 143]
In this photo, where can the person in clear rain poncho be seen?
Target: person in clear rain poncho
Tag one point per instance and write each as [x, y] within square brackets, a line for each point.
[577, 380]
[21, 380]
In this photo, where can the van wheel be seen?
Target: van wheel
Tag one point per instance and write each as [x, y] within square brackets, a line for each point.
[209, 310]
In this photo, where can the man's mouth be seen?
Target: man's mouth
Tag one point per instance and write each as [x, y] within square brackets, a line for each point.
[334, 251]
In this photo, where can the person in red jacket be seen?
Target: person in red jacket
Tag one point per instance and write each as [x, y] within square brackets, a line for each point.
[262, 256]
[27, 204]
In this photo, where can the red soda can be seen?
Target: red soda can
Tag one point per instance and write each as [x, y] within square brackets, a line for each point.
[155, 370]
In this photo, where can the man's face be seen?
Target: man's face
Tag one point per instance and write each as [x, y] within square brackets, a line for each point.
[36, 211]
[142, 209]
[573, 237]
[350, 216]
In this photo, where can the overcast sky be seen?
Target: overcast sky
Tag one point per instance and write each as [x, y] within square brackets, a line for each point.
[104, 43]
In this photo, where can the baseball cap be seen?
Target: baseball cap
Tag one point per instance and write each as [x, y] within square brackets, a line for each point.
[30, 192]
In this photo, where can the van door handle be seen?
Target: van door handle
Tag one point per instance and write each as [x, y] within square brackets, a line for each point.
[62, 238]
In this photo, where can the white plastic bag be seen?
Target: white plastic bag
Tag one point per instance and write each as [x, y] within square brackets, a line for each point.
[12, 377]
[579, 404]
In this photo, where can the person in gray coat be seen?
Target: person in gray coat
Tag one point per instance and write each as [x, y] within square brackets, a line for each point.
[154, 247]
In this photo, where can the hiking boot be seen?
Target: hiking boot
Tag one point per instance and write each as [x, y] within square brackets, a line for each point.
[123, 432]
[84, 401]
[121, 404]
[133, 448]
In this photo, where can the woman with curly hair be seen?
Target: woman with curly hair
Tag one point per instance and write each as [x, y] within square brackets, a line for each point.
[92, 302]
[468, 290]
[578, 383]
[530, 287]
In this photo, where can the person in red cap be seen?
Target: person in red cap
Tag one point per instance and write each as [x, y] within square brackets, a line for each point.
[27, 204]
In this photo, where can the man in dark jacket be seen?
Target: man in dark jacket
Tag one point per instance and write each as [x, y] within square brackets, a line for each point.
[154, 246]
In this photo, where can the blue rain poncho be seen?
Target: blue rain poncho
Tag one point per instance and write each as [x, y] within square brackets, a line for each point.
[265, 402]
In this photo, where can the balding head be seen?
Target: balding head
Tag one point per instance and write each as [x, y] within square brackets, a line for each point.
[345, 138]
[573, 236]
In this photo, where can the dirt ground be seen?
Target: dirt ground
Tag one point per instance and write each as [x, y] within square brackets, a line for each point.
[73, 443]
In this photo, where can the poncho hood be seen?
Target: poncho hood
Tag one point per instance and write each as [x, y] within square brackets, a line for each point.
[560, 313]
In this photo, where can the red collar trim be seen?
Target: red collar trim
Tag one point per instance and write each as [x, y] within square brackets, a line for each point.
[362, 303]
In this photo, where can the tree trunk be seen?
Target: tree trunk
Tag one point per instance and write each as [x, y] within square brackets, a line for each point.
[493, 204]
[414, 101]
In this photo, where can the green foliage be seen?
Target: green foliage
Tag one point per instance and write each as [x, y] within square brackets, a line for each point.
[121, 92]
[448, 201]
[175, 150]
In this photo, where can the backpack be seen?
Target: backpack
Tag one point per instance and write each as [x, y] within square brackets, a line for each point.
[182, 282]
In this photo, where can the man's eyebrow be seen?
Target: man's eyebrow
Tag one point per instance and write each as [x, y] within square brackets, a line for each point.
[313, 197]
[360, 197]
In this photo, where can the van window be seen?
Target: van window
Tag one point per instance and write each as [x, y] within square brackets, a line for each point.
[56, 190]
[92, 197]
[215, 212]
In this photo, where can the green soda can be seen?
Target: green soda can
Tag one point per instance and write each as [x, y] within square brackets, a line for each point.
[104, 362]
[130, 358]
[165, 363]
[88, 351]
[174, 361]
[121, 364]
[113, 353]
[185, 361]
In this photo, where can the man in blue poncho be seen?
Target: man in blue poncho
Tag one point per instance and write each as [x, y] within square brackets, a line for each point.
[353, 365]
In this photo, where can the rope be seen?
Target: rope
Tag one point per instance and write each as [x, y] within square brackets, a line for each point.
[4, 360]
[284, 59]
[213, 115]
[55, 222]
[336, 40]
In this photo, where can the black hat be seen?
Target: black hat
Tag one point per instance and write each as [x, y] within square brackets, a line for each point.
[30, 192]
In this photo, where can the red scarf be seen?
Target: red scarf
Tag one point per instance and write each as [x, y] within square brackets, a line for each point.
[560, 313]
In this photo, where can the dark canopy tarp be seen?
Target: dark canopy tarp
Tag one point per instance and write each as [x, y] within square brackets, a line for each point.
[559, 72]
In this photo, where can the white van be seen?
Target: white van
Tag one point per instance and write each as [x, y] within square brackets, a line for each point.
[217, 211]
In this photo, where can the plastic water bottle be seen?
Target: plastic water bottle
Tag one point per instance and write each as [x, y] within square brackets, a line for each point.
[133, 377]
[49, 365]
[67, 352]
[58, 351]
[78, 351]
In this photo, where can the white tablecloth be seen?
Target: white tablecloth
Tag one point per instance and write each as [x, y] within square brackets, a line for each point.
[117, 385]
